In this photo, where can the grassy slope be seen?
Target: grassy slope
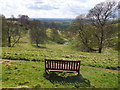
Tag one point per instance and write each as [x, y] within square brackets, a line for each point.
[31, 74]
[108, 59]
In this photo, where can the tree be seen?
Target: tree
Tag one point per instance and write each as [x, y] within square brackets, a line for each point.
[55, 34]
[118, 7]
[99, 16]
[23, 19]
[92, 31]
[83, 36]
[12, 31]
[37, 32]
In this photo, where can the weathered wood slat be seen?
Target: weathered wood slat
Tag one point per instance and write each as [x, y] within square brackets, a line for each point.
[67, 66]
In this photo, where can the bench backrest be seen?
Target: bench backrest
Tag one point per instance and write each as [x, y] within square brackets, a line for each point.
[62, 65]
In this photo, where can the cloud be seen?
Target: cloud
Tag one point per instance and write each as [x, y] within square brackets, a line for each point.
[42, 6]
[47, 8]
[82, 0]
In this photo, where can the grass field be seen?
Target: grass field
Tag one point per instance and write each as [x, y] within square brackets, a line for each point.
[26, 74]
[23, 72]
[108, 59]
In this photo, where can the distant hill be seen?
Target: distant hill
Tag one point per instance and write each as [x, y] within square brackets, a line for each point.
[55, 19]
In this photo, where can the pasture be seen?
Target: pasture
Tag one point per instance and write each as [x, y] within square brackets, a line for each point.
[23, 70]
[27, 74]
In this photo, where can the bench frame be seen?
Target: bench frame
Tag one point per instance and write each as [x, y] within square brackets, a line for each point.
[61, 65]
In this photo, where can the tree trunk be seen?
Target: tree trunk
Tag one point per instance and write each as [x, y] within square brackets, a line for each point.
[37, 43]
[100, 50]
[101, 41]
[100, 47]
[9, 41]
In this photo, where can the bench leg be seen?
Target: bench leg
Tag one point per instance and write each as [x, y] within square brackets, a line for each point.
[78, 73]
[47, 75]
[46, 72]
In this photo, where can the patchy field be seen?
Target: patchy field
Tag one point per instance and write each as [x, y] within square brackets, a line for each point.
[30, 74]
[108, 59]
[0, 74]
[27, 74]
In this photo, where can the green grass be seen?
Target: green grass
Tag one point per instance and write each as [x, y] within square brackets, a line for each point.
[31, 75]
[0, 75]
[108, 59]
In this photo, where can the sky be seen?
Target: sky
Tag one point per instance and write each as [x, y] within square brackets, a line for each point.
[47, 8]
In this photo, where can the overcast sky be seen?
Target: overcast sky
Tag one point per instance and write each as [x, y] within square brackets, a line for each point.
[47, 8]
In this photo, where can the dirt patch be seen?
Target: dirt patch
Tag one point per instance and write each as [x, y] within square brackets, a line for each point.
[21, 87]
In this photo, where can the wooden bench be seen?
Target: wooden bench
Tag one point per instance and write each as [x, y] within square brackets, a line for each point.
[61, 65]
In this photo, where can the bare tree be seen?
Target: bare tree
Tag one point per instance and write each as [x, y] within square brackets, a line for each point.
[12, 31]
[99, 16]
